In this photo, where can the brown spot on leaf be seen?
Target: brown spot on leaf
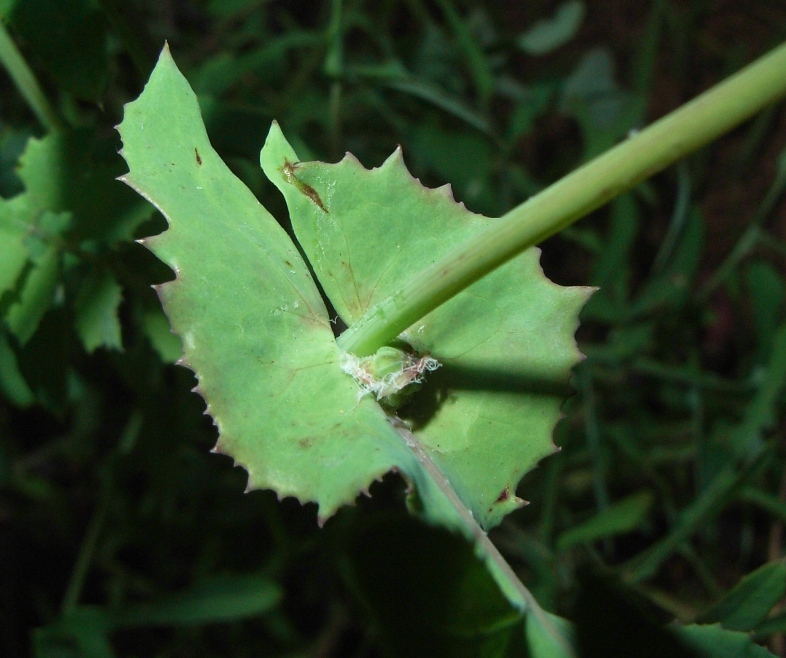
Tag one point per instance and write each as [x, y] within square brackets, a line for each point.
[198, 158]
[503, 496]
[289, 173]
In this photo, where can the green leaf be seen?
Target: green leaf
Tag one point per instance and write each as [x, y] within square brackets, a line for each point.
[257, 333]
[505, 344]
[605, 112]
[612, 272]
[542, 644]
[71, 171]
[746, 438]
[216, 599]
[220, 73]
[159, 333]
[69, 193]
[253, 325]
[446, 152]
[458, 609]
[68, 38]
[624, 516]
[716, 642]
[531, 103]
[96, 307]
[766, 289]
[86, 630]
[14, 218]
[83, 633]
[437, 96]
[548, 35]
[476, 60]
[749, 601]
[772, 626]
[12, 145]
[12, 383]
[610, 621]
[36, 295]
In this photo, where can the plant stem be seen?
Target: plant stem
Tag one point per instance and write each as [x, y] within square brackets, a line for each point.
[85, 557]
[473, 54]
[26, 82]
[507, 580]
[637, 158]
[751, 237]
[334, 69]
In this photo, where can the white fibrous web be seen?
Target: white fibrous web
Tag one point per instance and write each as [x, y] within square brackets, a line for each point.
[388, 372]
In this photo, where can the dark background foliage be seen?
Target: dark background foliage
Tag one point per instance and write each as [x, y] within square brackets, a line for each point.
[120, 534]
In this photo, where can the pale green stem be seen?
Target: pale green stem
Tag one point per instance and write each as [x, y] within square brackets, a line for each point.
[507, 580]
[26, 82]
[334, 60]
[640, 156]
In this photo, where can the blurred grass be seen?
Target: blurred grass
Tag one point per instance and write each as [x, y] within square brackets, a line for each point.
[672, 475]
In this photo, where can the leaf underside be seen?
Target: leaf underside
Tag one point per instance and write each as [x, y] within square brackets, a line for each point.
[257, 333]
[505, 344]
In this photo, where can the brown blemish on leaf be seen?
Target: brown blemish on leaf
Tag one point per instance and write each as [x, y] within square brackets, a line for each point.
[289, 173]
[198, 158]
[503, 496]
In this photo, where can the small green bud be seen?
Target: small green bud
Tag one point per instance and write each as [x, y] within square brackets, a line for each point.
[391, 374]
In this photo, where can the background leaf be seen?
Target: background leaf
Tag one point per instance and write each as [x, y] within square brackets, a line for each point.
[35, 296]
[750, 601]
[213, 600]
[75, 172]
[548, 35]
[68, 38]
[624, 516]
[96, 308]
[438, 607]
[716, 642]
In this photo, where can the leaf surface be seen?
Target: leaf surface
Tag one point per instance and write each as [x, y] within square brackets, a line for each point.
[36, 294]
[253, 325]
[12, 383]
[96, 312]
[713, 641]
[505, 344]
[548, 35]
[256, 331]
[14, 216]
[72, 171]
[750, 601]
[619, 518]
[211, 600]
